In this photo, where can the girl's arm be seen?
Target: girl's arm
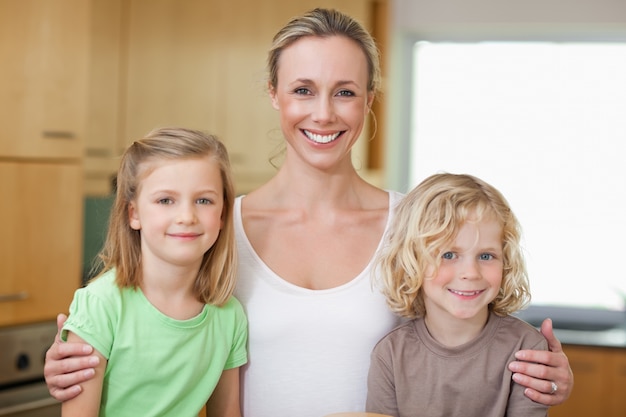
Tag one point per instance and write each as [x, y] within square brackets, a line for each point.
[88, 403]
[68, 366]
[224, 401]
[537, 369]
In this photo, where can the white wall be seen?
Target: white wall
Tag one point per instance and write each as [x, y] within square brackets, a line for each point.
[412, 20]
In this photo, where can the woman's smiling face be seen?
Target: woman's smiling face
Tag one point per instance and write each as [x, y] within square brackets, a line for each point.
[322, 98]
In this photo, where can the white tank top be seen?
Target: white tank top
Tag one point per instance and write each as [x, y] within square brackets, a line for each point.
[309, 350]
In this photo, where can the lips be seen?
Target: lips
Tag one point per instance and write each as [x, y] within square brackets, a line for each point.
[466, 293]
[322, 139]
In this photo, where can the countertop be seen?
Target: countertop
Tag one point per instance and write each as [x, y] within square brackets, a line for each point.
[581, 326]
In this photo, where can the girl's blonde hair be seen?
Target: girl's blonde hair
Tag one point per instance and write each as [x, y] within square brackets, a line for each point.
[122, 249]
[426, 220]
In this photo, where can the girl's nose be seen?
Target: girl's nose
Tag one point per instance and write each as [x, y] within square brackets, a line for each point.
[186, 214]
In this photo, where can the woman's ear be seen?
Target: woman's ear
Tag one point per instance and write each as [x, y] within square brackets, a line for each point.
[370, 100]
[133, 217]
[272, 92]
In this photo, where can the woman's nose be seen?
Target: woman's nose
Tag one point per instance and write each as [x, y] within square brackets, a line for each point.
[324, 111]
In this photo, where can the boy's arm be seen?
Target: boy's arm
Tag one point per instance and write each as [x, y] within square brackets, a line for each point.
[224, 401]
[88, 403]
[537, 369]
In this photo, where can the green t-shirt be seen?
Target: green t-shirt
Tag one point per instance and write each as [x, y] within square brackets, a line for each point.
[157, 366]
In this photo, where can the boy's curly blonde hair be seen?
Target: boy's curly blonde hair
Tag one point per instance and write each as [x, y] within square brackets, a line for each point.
[427, 219]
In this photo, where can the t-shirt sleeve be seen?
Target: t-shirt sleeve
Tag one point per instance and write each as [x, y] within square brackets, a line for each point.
[381, 392]
[519, 405]
[92, 320]
[238, 353]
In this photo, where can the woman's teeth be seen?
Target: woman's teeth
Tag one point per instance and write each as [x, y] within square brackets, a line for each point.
[321, 138]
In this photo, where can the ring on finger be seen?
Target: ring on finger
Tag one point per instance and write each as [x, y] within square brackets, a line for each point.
[554, 387]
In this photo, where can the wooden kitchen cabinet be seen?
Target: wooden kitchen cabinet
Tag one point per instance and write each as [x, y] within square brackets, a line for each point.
[44, 56]
[617, 398]
[202, 64]
[40, 248]
[599, 381]
[44, 60]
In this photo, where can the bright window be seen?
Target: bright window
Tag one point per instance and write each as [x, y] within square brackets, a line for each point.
[546, 124]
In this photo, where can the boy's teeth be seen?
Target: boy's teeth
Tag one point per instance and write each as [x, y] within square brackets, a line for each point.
[321, 138]
[465, 293]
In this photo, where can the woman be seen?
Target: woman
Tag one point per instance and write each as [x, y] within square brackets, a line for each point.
[307, 238]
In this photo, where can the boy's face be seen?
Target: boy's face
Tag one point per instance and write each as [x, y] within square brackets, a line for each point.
[470, 273]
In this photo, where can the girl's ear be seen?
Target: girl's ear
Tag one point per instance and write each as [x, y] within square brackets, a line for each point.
[273, 97]
[133, 217]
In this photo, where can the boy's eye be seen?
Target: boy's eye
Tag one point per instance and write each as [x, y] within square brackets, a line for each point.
[448, 255]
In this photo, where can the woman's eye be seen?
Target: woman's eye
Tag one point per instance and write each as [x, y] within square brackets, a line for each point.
[302, 91]
[204, 201]
[345, 93]
[486, 257]
[448, 255]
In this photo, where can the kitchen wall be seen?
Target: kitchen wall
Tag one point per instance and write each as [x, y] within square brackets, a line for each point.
[465, 20]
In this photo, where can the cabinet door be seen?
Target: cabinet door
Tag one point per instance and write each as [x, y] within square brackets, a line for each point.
[588, 398]
[44, 56]
[616, 397]
[40, 248]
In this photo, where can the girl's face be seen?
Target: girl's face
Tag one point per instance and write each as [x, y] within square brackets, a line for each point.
[178, 210]
[470, 274]
[322, 98]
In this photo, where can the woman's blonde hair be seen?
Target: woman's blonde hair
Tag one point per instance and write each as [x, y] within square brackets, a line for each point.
[122, 248]
[325, 23]
[426, 220]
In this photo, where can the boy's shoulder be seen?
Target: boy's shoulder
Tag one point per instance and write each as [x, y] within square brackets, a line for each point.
[399, 334]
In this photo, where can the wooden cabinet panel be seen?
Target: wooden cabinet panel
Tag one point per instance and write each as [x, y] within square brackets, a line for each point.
[201, 64]
[102, 143]
[40, 248]
[599, 381]
[43, 50]
[616, 397]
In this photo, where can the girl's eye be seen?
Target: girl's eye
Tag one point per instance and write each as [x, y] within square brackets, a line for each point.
[204, 201]
[486, 257]
[448, 255]
[165, 201]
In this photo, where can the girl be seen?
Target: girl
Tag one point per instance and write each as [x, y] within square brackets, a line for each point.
[161, 317]
[454, 265]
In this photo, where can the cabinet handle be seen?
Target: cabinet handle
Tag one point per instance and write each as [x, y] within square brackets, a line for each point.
[58, 134]
[18, 296]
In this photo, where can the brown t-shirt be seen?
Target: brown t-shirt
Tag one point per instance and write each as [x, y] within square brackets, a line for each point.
[412, 375]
